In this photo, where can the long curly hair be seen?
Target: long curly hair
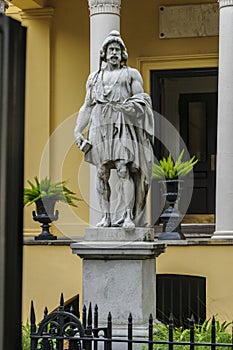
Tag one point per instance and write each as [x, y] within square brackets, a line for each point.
[113, 37]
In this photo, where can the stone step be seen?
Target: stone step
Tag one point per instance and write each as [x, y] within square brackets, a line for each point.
[192, 230]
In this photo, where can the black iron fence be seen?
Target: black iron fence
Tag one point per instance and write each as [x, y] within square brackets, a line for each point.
[63, 330]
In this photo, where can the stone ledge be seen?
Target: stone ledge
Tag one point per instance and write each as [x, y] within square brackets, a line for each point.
[191, 230]
[199, 242]
[118, 250]
[65, 241]
[30, 240]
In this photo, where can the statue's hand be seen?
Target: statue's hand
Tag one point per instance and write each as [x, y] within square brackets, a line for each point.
[79, 139]
[125, 107]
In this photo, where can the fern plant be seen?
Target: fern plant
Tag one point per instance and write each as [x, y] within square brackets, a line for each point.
[45, 189]
[202, 334]
[26, 336]
[170, 171]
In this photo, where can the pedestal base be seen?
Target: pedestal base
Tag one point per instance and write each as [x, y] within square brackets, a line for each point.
[139, 332]
[119, 276]
[222, 235]
[119, 234]
[171, 220]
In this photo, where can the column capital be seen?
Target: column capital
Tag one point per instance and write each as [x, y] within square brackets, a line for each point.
[225, 3]
[43, 13]
[104, 6]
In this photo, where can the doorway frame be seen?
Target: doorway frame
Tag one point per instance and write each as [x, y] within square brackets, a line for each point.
[159, 63]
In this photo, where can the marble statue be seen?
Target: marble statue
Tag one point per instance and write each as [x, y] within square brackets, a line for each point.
[120, 123]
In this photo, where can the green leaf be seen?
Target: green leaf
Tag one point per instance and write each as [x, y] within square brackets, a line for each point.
[47, 189]
[169, 170]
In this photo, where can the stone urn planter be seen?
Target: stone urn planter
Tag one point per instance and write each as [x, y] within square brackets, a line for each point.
[44, 214]
[45, 194]
[171, 173]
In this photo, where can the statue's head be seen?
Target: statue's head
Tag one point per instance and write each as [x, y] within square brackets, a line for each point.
[113, 37]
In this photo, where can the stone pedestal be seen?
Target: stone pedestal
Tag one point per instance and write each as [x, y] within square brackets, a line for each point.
[119, 269]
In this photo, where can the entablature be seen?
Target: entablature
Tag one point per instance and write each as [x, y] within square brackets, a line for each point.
[29, 4]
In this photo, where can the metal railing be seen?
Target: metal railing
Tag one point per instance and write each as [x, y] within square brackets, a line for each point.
[62, 330]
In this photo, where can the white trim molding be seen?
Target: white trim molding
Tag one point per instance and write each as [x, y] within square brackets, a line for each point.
[43, 13]
[146, 64]
[104, 6]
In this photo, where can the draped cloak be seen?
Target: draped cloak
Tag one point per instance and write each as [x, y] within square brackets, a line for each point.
[122, 135]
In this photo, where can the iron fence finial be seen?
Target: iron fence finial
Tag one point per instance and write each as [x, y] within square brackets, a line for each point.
[62, 300]
[32, 314]
[45, 311]
[89, 317]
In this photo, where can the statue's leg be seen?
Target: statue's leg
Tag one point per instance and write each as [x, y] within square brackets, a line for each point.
[128, 190]
[104, 192]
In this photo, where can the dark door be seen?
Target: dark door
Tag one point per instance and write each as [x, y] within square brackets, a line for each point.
[187, 98]
[198, 119]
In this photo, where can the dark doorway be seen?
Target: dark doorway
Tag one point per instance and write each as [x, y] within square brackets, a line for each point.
[198, 120]
[187, 99]
[181, 295]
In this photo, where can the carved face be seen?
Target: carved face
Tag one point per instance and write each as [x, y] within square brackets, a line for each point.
[113, 55]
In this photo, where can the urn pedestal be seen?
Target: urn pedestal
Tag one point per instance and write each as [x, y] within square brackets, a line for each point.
[45, 215]
[171, 217]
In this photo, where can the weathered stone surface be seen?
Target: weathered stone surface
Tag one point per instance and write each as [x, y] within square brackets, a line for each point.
[185, 21]
[120, 122]
[120, 277]
[119, 234]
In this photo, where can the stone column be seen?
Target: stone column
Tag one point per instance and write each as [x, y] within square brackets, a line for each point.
[104, 17]
[224, 185]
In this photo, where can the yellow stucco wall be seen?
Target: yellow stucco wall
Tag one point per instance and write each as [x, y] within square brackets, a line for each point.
[140, 29]
[49, 271]
[214, 262]
[57, 68]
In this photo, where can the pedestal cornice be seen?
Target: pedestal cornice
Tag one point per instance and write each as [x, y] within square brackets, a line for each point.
[225, 3]
[43, 13]
[104, 6]
[118, 250]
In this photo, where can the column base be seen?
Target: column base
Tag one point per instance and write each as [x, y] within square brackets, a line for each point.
[222, 235]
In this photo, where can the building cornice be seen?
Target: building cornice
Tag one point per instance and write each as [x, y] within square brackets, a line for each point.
[225, 3]
[104, 6]
[43, 13]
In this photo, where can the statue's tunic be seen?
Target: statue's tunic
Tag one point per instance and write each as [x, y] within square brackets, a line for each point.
[120, 135]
